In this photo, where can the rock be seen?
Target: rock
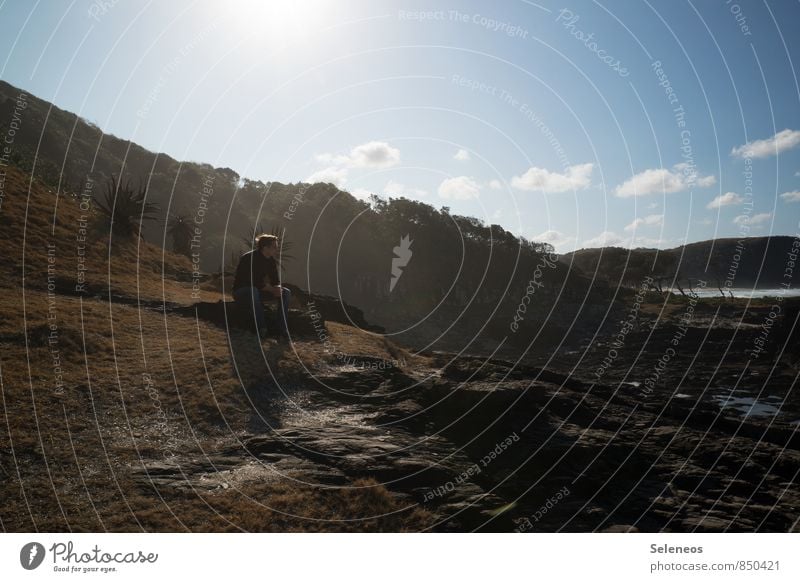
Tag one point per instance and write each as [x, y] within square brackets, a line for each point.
[333, 309]
[485, 447]
[307, 314]
[230, 315]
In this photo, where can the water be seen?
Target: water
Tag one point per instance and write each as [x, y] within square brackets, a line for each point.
[744, 292]
[747, 406]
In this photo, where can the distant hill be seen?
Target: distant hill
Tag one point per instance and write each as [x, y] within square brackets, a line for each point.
[727, 262]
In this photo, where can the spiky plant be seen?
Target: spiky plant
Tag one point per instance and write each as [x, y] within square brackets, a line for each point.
[181, 230]
[123, 209]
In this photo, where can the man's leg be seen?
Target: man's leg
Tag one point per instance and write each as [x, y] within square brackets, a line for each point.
[250, 298]
[283, 311]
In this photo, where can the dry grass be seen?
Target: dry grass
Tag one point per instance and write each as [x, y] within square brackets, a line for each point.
[277, 507]
[135, 385]
[33, 217]
[345, 340]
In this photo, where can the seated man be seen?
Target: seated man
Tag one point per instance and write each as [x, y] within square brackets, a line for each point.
[250, 289]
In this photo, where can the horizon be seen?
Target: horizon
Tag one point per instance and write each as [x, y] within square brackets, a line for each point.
[457, 115]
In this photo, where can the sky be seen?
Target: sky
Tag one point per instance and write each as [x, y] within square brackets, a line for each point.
[578, 123]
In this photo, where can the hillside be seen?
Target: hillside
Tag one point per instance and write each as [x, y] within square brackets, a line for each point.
[97, 385]
[749, 262]
[466, 277]
[65, 151]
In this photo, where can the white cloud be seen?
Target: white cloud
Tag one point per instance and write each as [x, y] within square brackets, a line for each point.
[649, 220]
[462, 156]
[495, 185]
[692, 177]
[333, 175]
[791, 196]
[681, 177]
[558, 239]
[727, 199]
[459, 188]
[762, 148]
[752, 220]
[759, 218]
[576, 177]
[705, 221]
[606, 238]
[373, 154]
[397, 190]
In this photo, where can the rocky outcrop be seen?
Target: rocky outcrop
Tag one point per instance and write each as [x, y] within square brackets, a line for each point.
[492, 446]
[307, 315]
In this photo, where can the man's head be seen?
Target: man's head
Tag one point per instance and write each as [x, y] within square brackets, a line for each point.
[267, 245]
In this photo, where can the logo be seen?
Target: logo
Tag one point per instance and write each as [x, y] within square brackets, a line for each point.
[31, 555]
[402, 256]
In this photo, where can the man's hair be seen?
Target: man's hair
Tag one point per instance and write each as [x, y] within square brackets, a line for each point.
[266, 240]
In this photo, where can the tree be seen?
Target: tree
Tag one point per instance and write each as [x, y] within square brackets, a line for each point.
[665, 266]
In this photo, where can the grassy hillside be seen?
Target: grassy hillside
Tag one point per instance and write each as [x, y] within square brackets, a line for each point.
[47, 239]
[345, 243]
[93, 389]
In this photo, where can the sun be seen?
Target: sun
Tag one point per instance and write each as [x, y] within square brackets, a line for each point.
[280, 23]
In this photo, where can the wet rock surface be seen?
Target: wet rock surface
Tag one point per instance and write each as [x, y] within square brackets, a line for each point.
[493, 446]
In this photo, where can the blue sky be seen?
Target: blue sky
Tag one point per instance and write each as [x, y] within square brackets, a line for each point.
[580, 123]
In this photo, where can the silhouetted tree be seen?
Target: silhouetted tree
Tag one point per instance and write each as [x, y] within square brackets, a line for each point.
[123, 209]
[181, 229]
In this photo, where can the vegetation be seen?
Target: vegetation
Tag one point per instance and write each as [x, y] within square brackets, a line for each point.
[123, 209]
[351, 241]
[463, 272]
[180, 229]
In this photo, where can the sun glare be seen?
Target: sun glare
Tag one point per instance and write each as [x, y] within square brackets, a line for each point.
[279, 22]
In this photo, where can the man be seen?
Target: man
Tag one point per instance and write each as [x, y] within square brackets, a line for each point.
[250, 289]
